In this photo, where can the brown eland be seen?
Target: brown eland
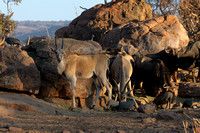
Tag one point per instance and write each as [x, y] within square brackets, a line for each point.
[121, 71]
[73, 66]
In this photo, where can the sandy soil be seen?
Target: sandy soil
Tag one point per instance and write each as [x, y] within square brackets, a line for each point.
[23, 113]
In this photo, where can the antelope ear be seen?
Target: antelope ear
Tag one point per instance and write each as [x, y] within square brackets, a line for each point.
[3, 40]
[52, 49]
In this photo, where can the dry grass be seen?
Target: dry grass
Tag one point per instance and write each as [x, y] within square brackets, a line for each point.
[191, 126]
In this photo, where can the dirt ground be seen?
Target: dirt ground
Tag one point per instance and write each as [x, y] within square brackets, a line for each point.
[24, 113]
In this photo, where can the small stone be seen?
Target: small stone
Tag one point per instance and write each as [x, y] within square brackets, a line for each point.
[15, 129]
[120, 131]
[148, 120]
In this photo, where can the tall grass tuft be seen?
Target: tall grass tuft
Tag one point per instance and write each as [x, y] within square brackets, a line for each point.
[193, 124]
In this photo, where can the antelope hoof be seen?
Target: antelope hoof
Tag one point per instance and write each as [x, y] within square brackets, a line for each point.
[92, 106]
[108, 108]
[72, 109]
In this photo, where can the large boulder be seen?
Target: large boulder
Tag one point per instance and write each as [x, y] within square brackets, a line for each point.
[150, 36]
[53, 84]
[100, 19]
[189, 89]
[18, 71]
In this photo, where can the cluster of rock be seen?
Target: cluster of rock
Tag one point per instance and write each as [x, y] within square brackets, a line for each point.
[126, 24]
[135, 28]
[101, 19]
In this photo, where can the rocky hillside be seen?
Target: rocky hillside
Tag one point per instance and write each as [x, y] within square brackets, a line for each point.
[37, 28]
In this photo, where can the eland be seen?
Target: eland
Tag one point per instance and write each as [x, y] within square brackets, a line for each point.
[121, 71]
[73, 66]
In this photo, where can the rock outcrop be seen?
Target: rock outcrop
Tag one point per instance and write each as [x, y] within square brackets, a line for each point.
[101, 19]
[53, 84]
[150, 36]
[62, 32]
[18, 71]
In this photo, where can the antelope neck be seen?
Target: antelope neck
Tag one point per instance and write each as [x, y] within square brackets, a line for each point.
[61, 67]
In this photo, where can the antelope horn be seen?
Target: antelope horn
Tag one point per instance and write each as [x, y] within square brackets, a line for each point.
[129, 91]
[56, 46]
[126, 86]
[115, 83]
[28, 41]
[117, 90]
[62, 43]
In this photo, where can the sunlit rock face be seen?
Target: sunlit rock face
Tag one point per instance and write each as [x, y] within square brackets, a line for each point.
[100, 19]
[150, 36]
[18, 71]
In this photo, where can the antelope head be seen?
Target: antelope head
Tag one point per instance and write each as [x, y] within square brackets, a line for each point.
[59, 53]
[121, 93]
[59, 56]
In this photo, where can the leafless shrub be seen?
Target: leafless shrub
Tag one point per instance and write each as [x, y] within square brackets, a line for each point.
[190, 16]
[164, 7]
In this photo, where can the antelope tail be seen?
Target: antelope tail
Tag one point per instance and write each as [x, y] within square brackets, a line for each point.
[122, 76]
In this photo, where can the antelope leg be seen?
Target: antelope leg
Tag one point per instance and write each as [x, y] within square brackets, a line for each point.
[97, 94]
[73, 87]
[108, 86]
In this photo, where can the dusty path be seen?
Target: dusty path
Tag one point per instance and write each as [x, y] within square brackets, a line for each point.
[20, 112]
[89, 122]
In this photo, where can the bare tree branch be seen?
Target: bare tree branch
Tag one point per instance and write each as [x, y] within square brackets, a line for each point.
[83, 8]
